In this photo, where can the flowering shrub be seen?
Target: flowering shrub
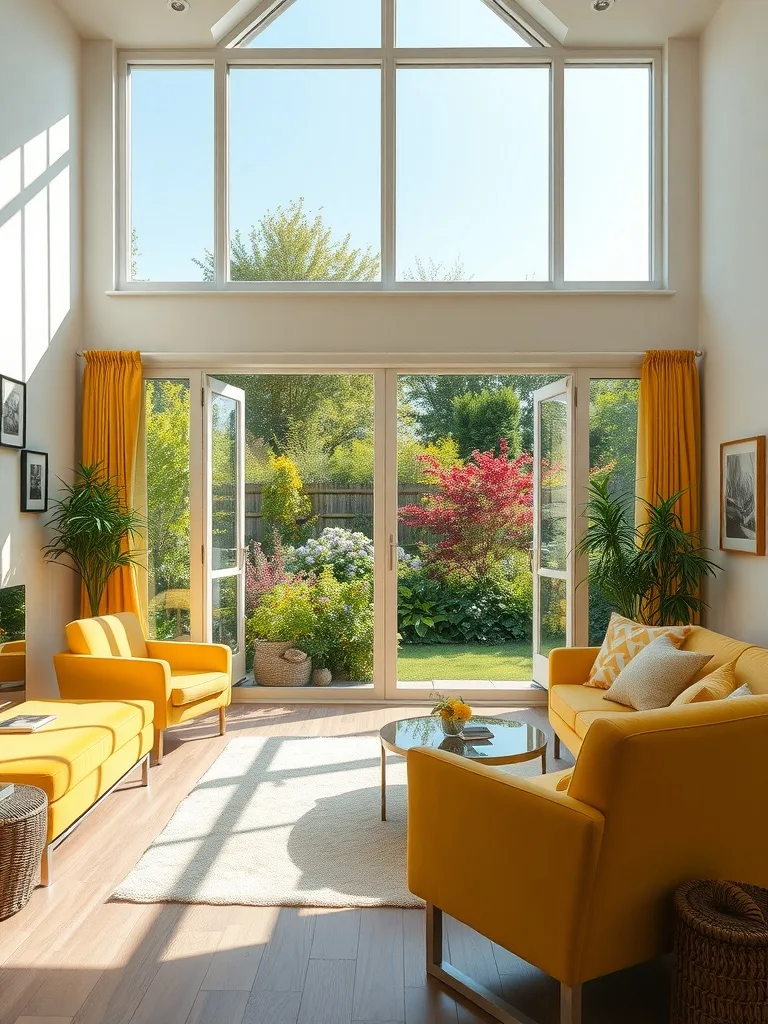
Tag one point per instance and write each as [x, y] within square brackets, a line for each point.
[285, 505]
[348, 553]
[482, 511]
[263, 573]
[286, 613]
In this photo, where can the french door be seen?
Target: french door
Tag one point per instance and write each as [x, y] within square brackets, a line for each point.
[553, 528]
[224, 550]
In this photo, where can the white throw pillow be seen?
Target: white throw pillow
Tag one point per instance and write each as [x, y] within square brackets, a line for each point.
[656, 675]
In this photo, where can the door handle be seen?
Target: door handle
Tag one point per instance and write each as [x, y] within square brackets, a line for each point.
[391, 552]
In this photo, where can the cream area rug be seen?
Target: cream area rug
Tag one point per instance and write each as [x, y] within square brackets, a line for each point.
[284, 821]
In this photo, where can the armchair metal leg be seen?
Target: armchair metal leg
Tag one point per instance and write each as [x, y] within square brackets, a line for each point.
[222, 721]
[462, 983]
[557, 747]
[145, 771]
[157, 750]
[570, 1004]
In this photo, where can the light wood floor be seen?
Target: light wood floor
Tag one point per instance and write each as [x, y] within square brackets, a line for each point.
[71, 957]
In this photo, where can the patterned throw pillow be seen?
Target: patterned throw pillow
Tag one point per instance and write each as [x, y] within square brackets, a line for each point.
[657, 675]
[625, 639]
[716, 686]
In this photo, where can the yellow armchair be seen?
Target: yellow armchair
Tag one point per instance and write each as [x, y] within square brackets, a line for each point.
[109, 659]
[577, 878]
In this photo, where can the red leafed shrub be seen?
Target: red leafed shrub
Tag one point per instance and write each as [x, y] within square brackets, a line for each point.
[482, 512]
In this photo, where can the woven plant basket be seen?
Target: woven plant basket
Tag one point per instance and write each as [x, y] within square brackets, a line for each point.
[23, 829]
[271, 669]
[721, 947]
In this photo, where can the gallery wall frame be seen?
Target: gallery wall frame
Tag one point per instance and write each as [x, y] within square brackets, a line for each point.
[34, 481]
[743, 496]
[13, 413]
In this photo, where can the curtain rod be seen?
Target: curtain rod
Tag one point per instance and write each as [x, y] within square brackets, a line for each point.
[698, 353]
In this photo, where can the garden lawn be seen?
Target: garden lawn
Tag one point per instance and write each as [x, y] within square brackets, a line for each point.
[496, 662]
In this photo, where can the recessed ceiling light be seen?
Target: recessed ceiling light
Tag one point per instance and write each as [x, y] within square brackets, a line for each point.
[602, 5]
[178, 6]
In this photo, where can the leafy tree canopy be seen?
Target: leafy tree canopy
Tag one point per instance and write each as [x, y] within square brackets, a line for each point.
[481, 422]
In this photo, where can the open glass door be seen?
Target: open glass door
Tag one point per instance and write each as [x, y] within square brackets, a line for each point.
[224, 552]
[551, 552]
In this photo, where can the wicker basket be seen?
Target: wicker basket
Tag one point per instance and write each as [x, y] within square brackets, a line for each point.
[721, 946]
[23, 830]
[271, 669]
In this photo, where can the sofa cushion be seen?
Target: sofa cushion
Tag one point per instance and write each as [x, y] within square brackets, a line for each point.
[569, 701]
[657, 675]
[84, 736]
[624, 641]
[722, 648]
[108, 636]
[752, 669]
[188, 687]
[715, 686]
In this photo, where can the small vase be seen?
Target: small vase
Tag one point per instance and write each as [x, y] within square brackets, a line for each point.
[321, 677]
[452, 726]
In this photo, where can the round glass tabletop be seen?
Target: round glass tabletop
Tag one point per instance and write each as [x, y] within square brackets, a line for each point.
[511, 741]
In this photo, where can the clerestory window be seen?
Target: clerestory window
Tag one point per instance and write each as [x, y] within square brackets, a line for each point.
[390, 145]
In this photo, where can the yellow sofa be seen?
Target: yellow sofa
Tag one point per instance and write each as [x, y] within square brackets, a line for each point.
[573, 707]
[13, 667]
[109, 659]
[576, 874]
[77, 759]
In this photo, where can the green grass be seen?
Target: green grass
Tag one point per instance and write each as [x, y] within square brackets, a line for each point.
[497, 662]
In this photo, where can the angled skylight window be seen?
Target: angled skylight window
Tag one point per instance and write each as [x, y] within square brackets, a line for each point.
[298, 24]
[438, 23]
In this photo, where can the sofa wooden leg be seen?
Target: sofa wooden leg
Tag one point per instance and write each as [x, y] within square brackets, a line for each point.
[222, 721]
[46, 867]
[570, 1004]
[157, 750]
[557, 747]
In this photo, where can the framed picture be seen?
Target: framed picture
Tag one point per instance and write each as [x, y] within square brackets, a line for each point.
[13, 412]
[742, 496]
[34, 482]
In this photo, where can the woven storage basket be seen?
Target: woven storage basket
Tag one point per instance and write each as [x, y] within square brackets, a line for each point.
[23, 830]
[721, 947]
[271, 669]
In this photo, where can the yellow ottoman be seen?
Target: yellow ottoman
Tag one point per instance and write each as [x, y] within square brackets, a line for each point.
[78, 759]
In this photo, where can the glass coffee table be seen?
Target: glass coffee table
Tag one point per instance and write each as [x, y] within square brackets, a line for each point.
[512, 742]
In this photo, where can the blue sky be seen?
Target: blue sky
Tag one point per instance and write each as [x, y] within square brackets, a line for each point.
[473, 152]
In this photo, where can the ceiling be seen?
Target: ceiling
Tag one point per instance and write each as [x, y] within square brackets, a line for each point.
[149, 23]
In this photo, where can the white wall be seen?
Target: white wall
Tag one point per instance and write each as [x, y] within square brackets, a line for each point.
[40, 316]
[734, 310]
[307, 323]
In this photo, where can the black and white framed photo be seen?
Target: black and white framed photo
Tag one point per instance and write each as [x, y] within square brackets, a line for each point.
[13, 412]
[34, 481]
[742, 496]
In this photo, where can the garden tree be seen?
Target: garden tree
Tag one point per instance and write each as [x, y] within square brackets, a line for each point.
[430, 399]
[432, 271]
[281, 407]
[167, 438]
[481, 511]
[481, 421]
[286, 510]
[289, 245]
[613, 430]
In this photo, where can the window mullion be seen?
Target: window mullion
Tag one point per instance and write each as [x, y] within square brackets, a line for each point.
[388, 145]
[221, 213]
[558, 172]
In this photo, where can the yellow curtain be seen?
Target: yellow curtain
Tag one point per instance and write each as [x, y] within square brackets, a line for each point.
[669, 433]
[112, 390]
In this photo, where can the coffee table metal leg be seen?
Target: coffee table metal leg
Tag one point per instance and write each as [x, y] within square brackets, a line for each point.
[383, 783]
[544, 762]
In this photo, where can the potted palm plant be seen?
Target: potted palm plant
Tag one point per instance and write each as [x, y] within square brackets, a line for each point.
[93, 531]
[650, 573]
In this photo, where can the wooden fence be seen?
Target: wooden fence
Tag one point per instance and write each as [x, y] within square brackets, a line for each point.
[334, 505]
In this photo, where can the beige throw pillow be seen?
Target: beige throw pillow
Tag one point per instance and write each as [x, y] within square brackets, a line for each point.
[623, 641]
[655, 676]
[716, 686]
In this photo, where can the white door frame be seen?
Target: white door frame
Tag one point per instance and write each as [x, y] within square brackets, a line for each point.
[582, 367]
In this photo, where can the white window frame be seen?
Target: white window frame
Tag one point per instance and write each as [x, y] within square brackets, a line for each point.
[388, 58]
